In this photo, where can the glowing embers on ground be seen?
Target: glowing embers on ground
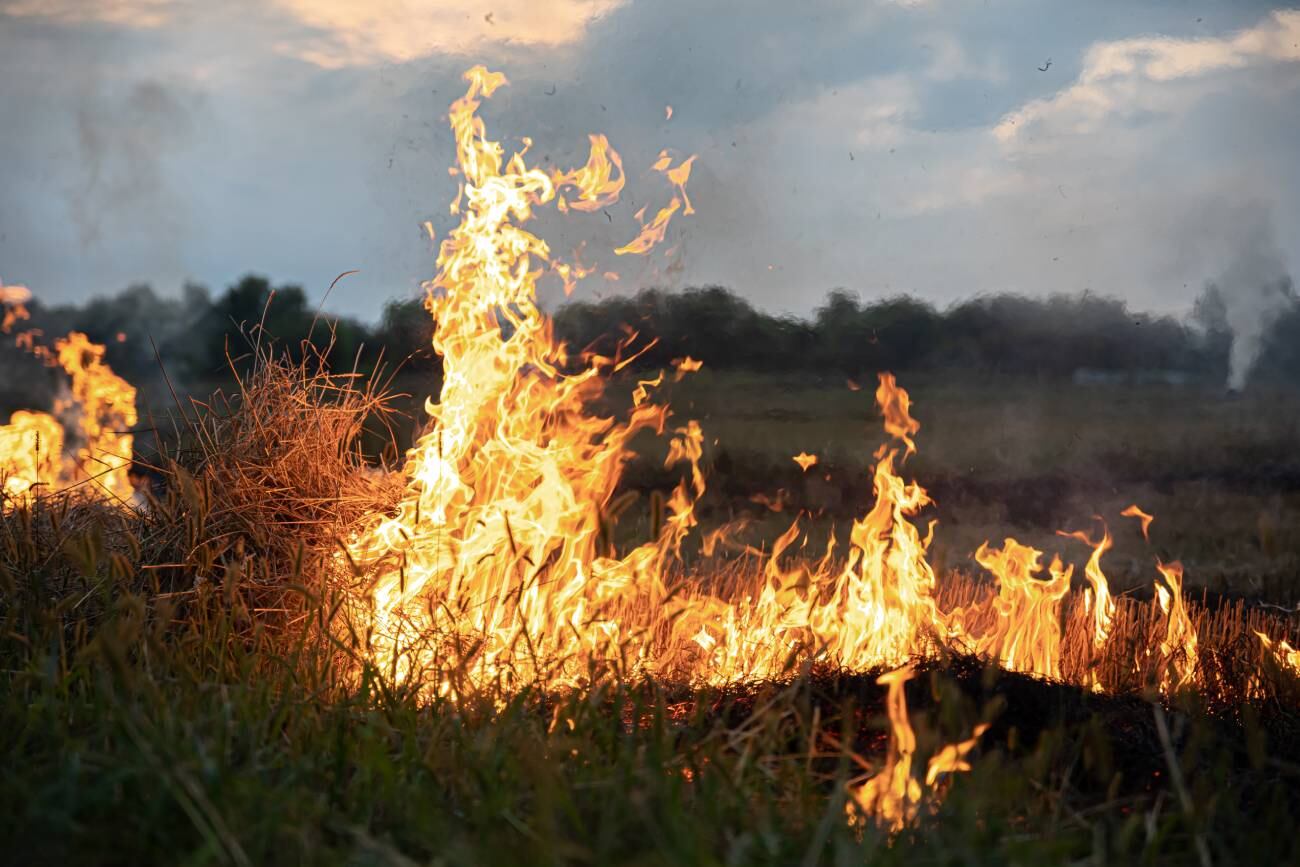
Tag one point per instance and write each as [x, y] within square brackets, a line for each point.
[88, 439]
[497, 568]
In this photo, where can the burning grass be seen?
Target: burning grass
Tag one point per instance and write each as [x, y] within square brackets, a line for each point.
[194, 659]
[459, 661]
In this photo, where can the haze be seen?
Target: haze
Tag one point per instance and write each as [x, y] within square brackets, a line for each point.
[945, 149]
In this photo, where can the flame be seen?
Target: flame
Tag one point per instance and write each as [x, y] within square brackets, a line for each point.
[98, 411]
[686, 365]
[500, 528]
[1283, 653]
[595, 182]
[1027, 634]
[896, 405]
[805, 461]
[1134, 512]
[497, 567]
[1178, 647]
[652, 233]
[893, 796]
[1098, 598]
[14, 301]
[31, 446]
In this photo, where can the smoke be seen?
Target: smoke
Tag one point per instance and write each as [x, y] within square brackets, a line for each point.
[1254, 290]
[121, 146]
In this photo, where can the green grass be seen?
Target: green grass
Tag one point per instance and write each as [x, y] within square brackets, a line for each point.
[153, 744]
[147, 719]
[137, 730]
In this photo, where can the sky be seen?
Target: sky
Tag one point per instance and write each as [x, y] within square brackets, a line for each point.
[947, 149]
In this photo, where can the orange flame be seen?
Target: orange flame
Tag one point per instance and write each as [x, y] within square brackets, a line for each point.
[497, 566]
[896, 405]
[1283, 653]
[595, 182]
[652, 233]
[805, 461]
[893, 796]
[1134, 512]
[14, 301]
[1027, 636]
[99, 412]
[31, 448]
[684, 366]
[1178, 647]
[1098, 598]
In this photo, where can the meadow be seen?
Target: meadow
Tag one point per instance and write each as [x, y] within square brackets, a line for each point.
[266, 632]
[172, 694]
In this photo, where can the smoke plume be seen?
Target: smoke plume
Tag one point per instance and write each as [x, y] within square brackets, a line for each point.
[1255, 288]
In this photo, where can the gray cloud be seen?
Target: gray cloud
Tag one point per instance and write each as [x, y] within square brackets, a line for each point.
[849, 144]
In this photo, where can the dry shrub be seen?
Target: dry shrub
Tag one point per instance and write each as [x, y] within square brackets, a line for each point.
[275, 476]
[256, 489]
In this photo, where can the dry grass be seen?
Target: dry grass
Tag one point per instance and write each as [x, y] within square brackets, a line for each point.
[165, 704]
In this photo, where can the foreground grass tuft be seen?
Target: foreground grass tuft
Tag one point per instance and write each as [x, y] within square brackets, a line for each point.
[178, 687]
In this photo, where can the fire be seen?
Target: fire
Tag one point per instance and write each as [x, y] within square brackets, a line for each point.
[31, 446]
[1178, 648]
[1283, 653]
[498, 539]
[95, 417]
[893, 796]
[1097, 598]
[498, 567]
[1027, 634]
[1134, 512]
[13, 300]
[805, 461]
[652, 233]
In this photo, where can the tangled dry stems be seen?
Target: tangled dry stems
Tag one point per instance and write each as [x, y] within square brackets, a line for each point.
[253, 493]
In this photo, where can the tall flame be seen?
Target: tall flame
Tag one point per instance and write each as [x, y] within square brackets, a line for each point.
[498, 565]
[1178, 647]
[499, 531]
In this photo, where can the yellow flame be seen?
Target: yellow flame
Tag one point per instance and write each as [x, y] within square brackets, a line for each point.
[805, 461]
[498, 565]
[13, 299]
[31, 446]
[98, 410]
[686, 365]
[652, 233]
[893, 796]
[1283, 653]
[1178, 647]
[596, 183]
[1027, 634]
[1098, 597]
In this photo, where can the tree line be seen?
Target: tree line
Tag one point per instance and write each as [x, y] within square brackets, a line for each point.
[198, 335]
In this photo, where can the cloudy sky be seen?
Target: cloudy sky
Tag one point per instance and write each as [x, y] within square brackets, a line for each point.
[938, 147]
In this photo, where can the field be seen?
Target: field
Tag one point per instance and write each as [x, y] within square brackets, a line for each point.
[572, 625]
[167, 700]
[1006, 456]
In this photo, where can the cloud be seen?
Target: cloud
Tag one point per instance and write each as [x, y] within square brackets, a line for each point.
[1117, 76]
[118, 13]
[334, 34]
[350, 33]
